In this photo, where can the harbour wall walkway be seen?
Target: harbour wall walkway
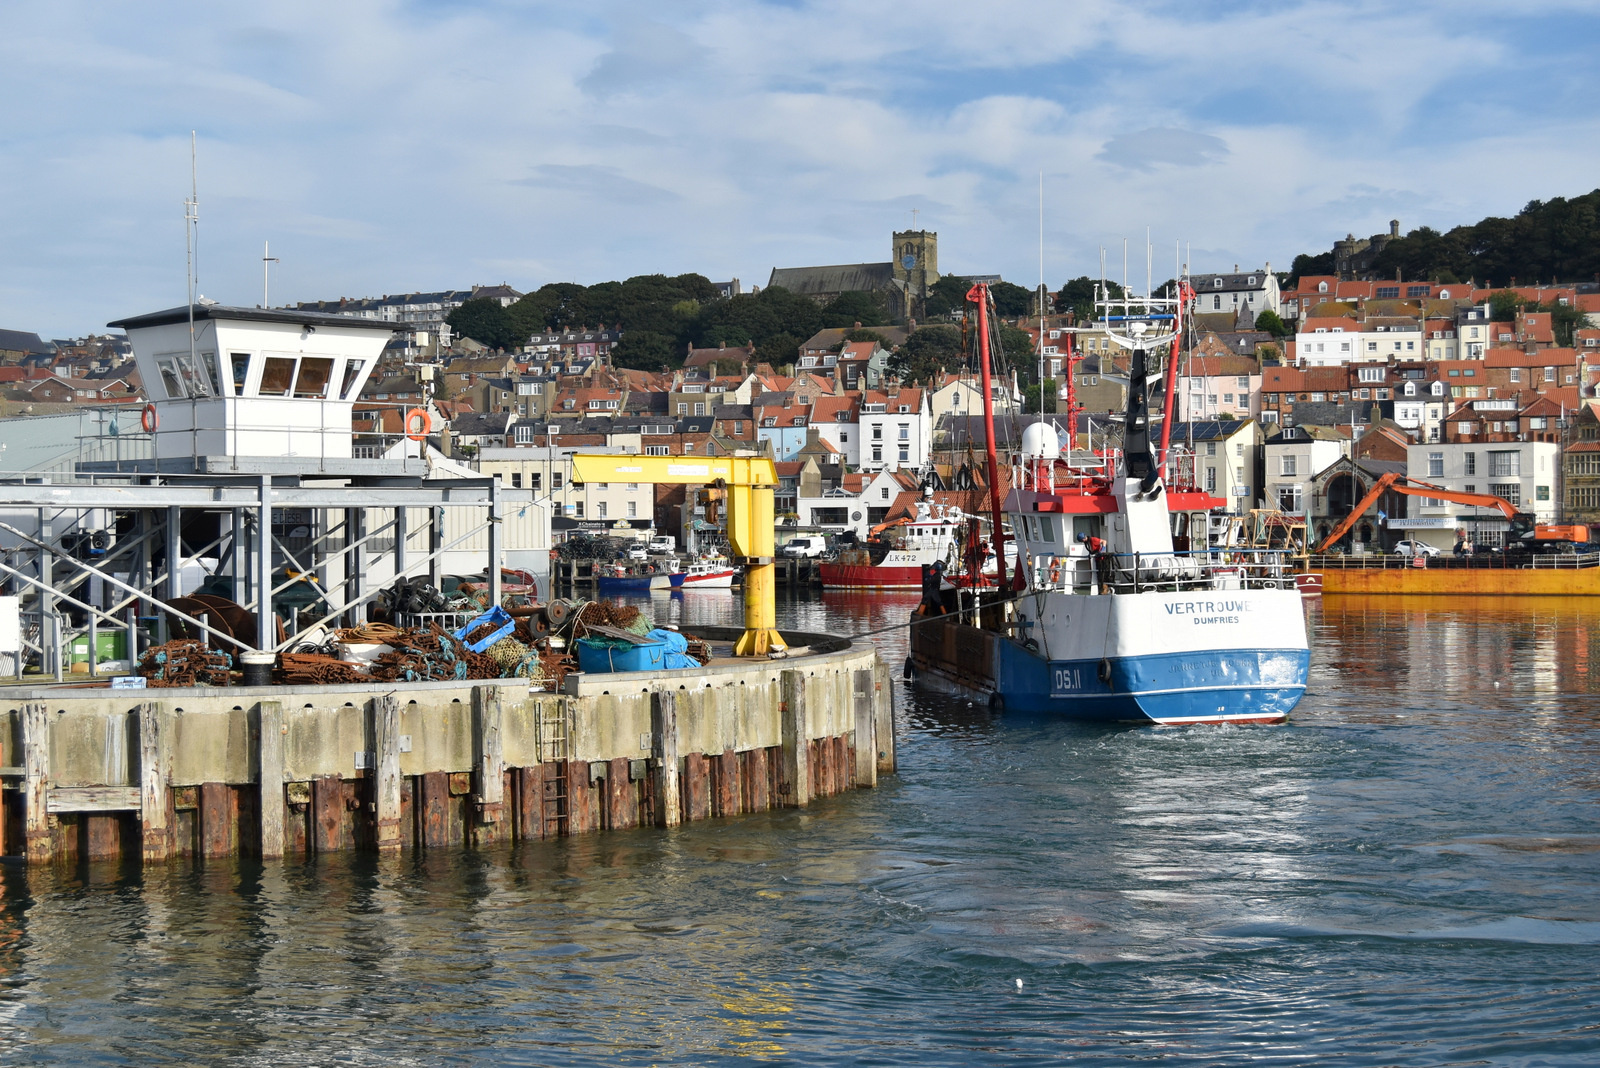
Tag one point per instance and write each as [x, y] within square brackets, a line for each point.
[281, 771]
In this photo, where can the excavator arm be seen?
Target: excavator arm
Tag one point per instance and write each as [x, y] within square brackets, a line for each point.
[1395, 482]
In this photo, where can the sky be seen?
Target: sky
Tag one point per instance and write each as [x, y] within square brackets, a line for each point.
[384, 146]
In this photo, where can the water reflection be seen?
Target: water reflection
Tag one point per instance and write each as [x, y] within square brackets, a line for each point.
[1409, 867]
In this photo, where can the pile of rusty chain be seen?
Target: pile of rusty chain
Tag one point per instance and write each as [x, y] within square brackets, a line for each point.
[314, 669]
[432, 655]
[185, 662]
[699, 648]
[606, 614]
[554, 665]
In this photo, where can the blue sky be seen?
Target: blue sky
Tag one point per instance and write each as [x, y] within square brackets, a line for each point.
[386, 146]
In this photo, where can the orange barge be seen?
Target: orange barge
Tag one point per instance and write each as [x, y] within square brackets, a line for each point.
[1531, 575]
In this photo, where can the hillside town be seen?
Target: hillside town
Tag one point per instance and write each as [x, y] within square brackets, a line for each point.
[1295, 394]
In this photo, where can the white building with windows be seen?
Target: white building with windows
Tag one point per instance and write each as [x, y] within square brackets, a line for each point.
[1226, 455]
[547, 471]
[834, 418]
[896, 429]
[1327, 342]
[1472, 333]
[1526, 473]
[1389, 339]
[1256, 291]
[963, 395]
[1293, 456]
[1420, 406]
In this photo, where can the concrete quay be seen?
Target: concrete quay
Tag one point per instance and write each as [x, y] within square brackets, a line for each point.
[96, 773]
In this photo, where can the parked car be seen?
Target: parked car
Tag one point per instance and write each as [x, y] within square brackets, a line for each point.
[1415, 548]
[639, 552]
[663, 543]
[809, 545]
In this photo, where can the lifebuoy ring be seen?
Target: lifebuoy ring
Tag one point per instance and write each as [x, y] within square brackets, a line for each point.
[149, 419]
[418, 419]
[1055, 573]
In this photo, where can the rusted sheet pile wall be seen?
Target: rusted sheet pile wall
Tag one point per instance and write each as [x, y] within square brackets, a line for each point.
[273, 772]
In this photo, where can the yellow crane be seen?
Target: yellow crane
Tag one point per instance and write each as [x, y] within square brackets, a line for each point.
[748, 482]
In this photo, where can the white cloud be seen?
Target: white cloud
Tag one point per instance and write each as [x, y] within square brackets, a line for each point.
[383, 145]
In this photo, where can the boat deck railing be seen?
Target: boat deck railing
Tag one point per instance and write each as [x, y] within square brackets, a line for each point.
[1513, 561]
[1255, 569]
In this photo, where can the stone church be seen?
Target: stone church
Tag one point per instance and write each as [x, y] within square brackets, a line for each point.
[906, 278]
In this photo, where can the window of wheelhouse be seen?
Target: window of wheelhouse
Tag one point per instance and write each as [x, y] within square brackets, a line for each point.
[185, 375]
[352, 376]
[277, 376]
[239, 366]
[315, 374]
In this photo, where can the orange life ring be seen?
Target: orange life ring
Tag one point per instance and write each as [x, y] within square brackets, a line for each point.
[1055, 573]
[149, 419]
[421, 431]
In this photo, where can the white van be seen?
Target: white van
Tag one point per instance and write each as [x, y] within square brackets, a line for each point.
[806, 545]
[663, 544]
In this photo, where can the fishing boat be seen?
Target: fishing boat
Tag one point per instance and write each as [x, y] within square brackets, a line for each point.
[1109, 617]
[619, 579]
[709, 573]
[895, 558]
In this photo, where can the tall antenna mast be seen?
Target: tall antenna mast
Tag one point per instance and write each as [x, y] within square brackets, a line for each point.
[191, 236]
[266, 258]
[1042, 293]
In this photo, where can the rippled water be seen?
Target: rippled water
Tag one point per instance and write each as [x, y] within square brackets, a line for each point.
[1406, 874]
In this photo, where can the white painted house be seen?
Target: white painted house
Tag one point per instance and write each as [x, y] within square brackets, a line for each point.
[896, 429]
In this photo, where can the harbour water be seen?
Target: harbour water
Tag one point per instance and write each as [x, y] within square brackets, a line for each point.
[1406, 874]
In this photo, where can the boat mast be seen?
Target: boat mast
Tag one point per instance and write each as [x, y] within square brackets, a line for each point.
[979, 295]
[1170, 403]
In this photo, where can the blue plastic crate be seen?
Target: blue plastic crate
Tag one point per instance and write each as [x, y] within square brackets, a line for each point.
[497, 615]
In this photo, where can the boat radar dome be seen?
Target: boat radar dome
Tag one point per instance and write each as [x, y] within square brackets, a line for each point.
[1040, 442]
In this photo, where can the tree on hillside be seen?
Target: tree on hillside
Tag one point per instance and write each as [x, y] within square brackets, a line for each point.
[779, 350]
[947, 297]
[1565, 321]
[1017, 349]
[1077, 296]
[756, 317]
[485, 321]
[643, 350]
[1307, 266]
[855, 307]
[853, 336]
[1547, 241]
[1031, 396]
[1011, 301]
[1504, 305]
[928, 351]
[1269, 321]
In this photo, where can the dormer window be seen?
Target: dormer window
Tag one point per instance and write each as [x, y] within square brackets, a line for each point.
[1216, 283]
[1322, 287]
[1252, 280]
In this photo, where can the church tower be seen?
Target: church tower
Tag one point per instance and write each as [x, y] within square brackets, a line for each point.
[914, 261]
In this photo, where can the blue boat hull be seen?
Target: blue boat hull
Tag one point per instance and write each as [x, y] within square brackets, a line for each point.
[612, 585]
[1229, 685]
[1225, 686]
